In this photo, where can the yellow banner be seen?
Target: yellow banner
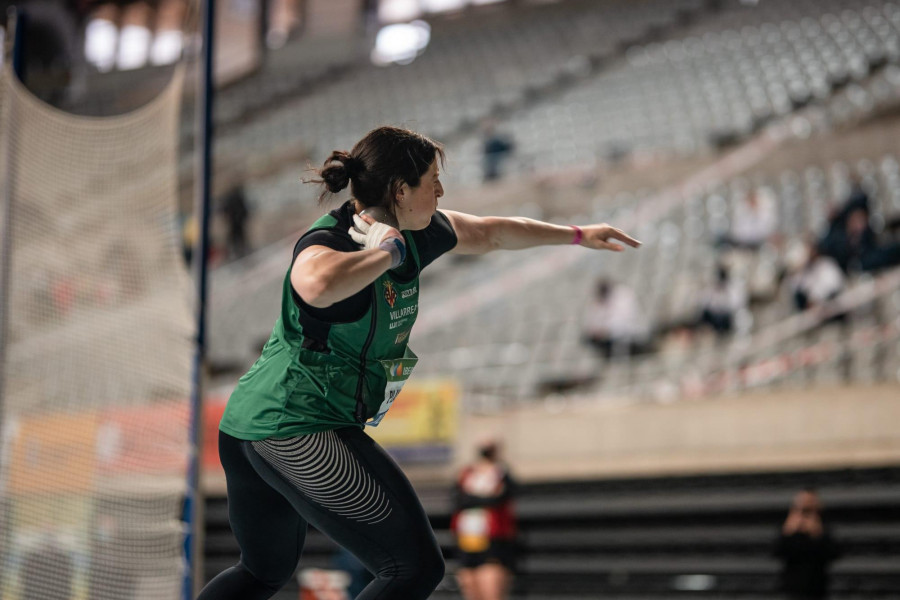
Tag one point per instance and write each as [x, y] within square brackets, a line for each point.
[425, 413]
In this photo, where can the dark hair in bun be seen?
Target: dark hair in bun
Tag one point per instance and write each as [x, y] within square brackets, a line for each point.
[338, 169]
[378, 164]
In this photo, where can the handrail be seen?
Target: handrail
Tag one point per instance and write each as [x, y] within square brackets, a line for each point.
[736, 371]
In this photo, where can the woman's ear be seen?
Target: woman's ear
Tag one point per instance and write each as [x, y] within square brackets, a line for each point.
[401, 193]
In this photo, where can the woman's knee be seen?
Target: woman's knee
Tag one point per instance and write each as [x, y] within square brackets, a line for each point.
[422, 572]
[273, 575]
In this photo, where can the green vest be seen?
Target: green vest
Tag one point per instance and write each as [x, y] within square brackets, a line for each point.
[298, 386]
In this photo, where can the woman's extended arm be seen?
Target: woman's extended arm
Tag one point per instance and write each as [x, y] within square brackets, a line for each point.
[478, 235]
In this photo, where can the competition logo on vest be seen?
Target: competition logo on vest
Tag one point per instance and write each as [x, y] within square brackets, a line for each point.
[390, 294]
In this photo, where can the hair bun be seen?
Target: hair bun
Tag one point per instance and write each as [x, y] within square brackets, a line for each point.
[338, 169]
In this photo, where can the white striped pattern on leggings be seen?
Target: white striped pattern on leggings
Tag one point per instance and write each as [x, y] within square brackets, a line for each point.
[324, 470]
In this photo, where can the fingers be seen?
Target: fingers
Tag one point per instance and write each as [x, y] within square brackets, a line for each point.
[624, 237]
[362, 223]
[359, 238]
[372, 235]
[604, 237]
[610, 246]
[360, 230]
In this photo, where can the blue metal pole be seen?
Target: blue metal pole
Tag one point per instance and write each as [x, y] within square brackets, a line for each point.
[17, 21]
[193, 499]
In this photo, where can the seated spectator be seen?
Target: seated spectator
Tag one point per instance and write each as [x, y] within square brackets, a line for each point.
[755, 220]
[721, 302]
[819, 280]
[237, 214]
[858, 197]
[614, 323]
[497, 147]
[851, 242]
[760, 269]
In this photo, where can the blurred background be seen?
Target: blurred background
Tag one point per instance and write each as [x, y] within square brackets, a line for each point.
[658, 409]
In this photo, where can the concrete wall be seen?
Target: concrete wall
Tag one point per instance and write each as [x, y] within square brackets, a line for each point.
[787, 430]
[828, 428]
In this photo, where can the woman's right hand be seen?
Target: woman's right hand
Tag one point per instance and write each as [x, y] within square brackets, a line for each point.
[369, 233]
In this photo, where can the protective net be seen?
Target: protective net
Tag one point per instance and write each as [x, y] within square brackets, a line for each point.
[98, 352]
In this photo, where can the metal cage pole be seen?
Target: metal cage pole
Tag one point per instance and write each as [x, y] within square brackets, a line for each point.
[16, 31]
[15, 27]
[193, 504]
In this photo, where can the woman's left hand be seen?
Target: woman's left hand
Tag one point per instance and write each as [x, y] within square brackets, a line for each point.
[598, 237]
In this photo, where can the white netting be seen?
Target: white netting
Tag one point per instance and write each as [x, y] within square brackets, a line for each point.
[98, 353]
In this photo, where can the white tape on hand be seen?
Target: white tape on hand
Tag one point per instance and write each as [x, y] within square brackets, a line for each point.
[379, 235]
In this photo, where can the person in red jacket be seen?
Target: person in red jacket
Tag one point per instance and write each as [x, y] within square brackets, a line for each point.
[484, 526]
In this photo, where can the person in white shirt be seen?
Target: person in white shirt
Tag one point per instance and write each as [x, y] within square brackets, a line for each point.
[818, 281]
[721, 301]
[755, 220]
[614, 322]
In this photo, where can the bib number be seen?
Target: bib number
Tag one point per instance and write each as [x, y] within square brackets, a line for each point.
[397, 372]
[473, 530]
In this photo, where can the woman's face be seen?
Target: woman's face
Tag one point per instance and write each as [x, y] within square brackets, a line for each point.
[416, 205]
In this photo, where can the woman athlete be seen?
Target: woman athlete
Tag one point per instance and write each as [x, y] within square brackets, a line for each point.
[292, 438]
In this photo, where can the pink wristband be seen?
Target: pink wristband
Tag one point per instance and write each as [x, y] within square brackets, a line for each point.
[579, 235]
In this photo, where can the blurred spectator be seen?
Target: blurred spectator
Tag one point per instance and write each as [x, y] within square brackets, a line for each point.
[849, 236]
[614, 323]
[760, 269]
[497, 147]
[484, 526]
[189, 235]
[320, 584]
[755, 220]
[806, 549]
[857, 197]
[237, 213]
[851, 241]
[284, 18]
[721, 302]
[819, 279]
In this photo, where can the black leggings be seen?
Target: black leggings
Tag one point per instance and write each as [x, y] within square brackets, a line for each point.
[347, 486]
